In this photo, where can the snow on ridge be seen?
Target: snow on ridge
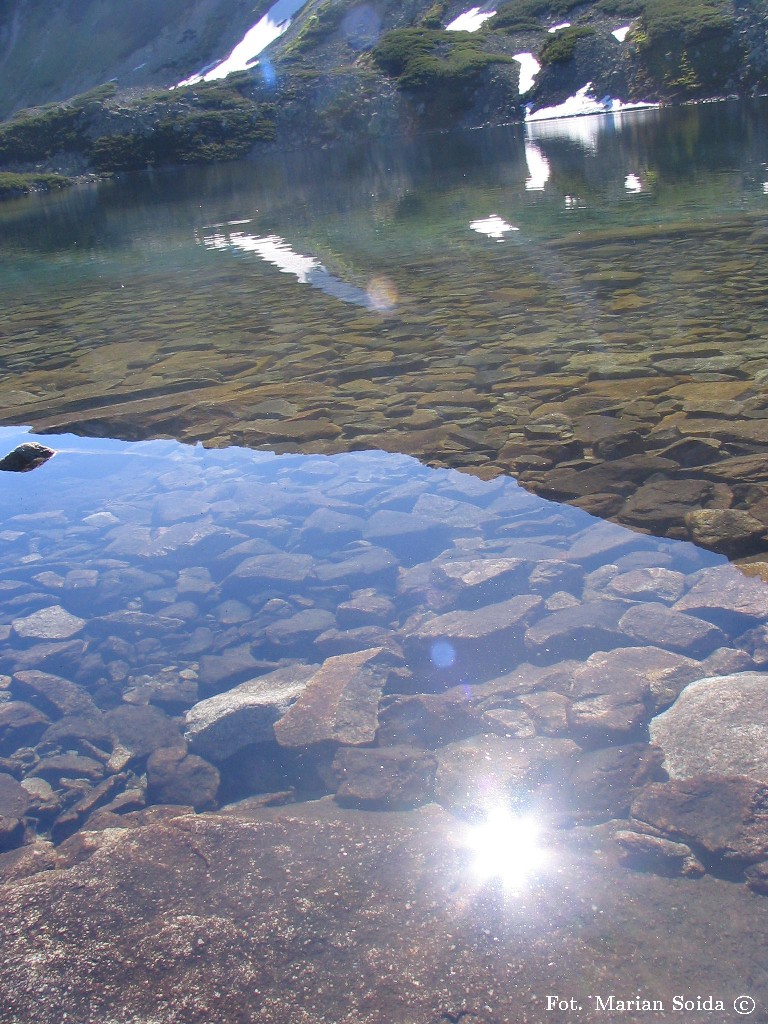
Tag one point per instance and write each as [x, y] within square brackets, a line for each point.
[274, 23]
[559, 28]
[469, 21]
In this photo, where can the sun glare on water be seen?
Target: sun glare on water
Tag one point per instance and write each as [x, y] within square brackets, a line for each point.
[506, 847]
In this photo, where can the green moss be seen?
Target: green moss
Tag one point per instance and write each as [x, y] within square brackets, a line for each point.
[689, 46]
[435, 15]
[21, 184]
[430, 59]
[319, 26]
[562, 45]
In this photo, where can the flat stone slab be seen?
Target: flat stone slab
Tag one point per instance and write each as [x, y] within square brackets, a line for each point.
[657, 624]
[54, 692]
[725, 591]
[338, 703]
[717, 726]
[219, 726]
[52, 623]
[477, 624]
[726, 817]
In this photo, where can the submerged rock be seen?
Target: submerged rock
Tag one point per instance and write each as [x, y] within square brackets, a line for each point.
[723, 817]
[220, 726]
[176, 777]
[52, 623]
[339, 703]
[717, 726]
[384, 778]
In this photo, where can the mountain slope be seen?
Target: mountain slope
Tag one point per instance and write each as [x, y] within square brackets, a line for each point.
[340, 68]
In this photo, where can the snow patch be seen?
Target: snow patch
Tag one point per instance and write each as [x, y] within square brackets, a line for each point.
[243, 57]
[620, 34]
[529, 68]
[469, 21]
[558, 28]
[585, 102]
[633, 184]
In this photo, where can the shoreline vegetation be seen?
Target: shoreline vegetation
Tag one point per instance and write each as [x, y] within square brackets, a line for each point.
[324, 82]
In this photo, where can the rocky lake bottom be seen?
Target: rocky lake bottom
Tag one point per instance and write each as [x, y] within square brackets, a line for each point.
[386, 640]
[224, 672]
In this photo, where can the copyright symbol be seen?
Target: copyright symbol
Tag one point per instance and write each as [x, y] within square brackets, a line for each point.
[744, 1005]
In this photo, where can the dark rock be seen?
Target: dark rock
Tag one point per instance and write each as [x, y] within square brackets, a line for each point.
[25, 457]
[339, 703]
[484, 636]
[71, 766]
[757, 877]
[53, 693]
[360, 566]
[659, 503]
[176, 777]
[216, 669]
[663, 856]
[73, 731]
[548, 710]
[717, 726]
[718, 816]
[276, 570]
[220, 726]
[675, 631]
[427, 719]
[14, 799]
[20, 725]
[140, 730]
[73, 817]
[730, 531]
[387, 778]
[12, 833]
[346, 641]
[576, 630]
[603, 783]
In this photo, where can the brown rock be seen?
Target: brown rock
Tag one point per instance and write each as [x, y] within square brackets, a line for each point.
[724, 817]
[730, 530]
[660, 502]
[339, 703]
[176, 777]
[660, 855]
[603, 783]
[385, 778]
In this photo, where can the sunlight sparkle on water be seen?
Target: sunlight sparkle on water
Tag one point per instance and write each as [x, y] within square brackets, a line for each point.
[492, 226]
[506, 847]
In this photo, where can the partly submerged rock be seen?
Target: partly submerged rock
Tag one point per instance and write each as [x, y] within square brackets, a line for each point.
[25, 457]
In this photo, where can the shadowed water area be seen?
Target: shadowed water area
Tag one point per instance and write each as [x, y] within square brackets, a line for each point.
[334, 716]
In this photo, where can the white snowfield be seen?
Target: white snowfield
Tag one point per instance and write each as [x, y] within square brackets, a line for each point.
[469, 21]
[529, 68]
[256, 39]
[585, 102]
[620, 34]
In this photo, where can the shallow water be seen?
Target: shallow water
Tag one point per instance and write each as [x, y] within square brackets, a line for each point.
[576, 310]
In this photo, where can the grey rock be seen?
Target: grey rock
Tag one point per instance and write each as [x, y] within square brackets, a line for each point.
[219, 726]
[725, 595]
[142, 729]
[52, 623]
[21, 725]
[576, 630]
[717, 726]
[14, 799]
[675, 631]
[662, 585]
[53, 693]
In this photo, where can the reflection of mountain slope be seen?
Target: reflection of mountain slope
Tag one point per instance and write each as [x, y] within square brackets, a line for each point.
[306, 269]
